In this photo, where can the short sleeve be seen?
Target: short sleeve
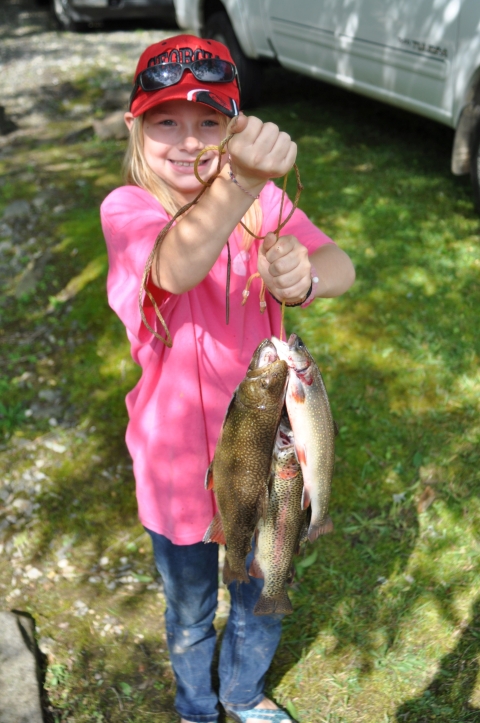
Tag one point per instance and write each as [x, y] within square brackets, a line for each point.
[131, 221]
[299, 225]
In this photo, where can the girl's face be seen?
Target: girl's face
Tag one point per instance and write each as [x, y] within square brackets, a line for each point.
[174, 133]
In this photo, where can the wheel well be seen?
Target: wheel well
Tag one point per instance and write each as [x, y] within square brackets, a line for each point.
[210, 7]
[467, 122]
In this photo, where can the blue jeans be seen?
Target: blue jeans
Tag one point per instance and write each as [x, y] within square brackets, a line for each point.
[190, 578]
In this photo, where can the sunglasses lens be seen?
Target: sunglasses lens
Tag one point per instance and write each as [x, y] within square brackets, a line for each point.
[161, 76]
[213, 70]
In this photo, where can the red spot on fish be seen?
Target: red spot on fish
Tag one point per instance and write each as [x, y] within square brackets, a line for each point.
[296, 391]
[288, 472]
[306, 375]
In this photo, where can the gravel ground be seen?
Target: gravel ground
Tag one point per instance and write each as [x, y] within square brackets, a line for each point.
[36, 57]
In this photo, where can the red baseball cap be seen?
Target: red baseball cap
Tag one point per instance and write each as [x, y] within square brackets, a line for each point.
[224, 97]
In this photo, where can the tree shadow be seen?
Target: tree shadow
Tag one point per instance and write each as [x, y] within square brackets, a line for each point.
[454, 681]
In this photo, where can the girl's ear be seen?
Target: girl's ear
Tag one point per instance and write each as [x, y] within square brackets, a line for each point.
[129, 118]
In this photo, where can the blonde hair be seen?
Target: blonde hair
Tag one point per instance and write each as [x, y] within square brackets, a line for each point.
[137, 172]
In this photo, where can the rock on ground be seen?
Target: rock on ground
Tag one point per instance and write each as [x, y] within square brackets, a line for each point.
[19, 675]
[113, 126]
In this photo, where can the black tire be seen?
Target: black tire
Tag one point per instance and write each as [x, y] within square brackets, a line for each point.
[218, 27]
[475, 165]
[62, 13]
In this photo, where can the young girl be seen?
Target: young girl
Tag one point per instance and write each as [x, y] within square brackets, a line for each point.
[186, 97]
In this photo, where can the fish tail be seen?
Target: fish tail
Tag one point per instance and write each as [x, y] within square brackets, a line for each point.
[230, 575]
[278, 604]
[323, 528]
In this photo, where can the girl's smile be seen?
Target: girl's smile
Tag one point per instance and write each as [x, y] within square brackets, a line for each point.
[174, 133]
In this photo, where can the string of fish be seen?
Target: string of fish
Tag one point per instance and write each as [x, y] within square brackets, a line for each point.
[144, 290]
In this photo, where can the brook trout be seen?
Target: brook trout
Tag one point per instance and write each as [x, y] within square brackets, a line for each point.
[240, 469]
[279, 533]
[313, 429]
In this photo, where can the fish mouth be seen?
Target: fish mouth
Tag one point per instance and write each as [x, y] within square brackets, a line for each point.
[266, 354]
[281, 348]
[284, 434]
[291, 352]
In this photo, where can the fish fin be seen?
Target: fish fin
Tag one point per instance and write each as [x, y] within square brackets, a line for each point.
[301, 453]
[270, 481]
[302, 539]
[296, 390]
[255, 569]
[262, 504]
[209, 477]
[324, 528]
[291, 575]
[230, 575]
[215, 531]
[305, 498]
[335, 428]
[280, 603]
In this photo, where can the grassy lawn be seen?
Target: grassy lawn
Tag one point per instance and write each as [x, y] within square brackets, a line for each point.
[387, 609]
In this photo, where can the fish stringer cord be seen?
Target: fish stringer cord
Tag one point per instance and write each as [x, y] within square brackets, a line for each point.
[280, 225]
[284, 191]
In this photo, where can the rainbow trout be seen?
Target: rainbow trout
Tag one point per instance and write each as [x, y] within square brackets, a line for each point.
[280, 532]
[313, 429]
[240, 468]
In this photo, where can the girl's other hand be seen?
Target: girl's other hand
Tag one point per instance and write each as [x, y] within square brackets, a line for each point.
[285, 267]
[259, 151]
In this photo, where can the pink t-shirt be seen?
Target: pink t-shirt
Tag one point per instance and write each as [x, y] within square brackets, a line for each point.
[177, 408]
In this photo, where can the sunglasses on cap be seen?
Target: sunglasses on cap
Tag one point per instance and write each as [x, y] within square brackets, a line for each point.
[206, 70]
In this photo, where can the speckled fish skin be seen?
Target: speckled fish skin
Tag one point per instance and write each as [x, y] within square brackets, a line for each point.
[280, 531]
[241, 465]
[313, 428]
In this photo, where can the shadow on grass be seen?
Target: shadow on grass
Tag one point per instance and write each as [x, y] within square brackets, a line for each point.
[455, 681]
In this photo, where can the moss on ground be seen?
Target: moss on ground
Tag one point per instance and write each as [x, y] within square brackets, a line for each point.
[387, 622]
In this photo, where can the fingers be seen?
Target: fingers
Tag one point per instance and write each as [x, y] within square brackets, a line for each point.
[260, 149]
[285, 267]
[283, 253]
[269, 241]
[237, 124]
[285, 262]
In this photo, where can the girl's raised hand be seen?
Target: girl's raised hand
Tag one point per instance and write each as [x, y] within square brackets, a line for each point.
[259, 151]
[285, 267]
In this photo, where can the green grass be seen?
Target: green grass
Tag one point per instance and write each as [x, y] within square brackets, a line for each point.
[387, 613]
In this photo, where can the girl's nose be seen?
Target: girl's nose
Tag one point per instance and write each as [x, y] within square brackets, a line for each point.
[192, 144]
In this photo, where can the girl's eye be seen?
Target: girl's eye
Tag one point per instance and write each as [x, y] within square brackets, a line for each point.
[167, 123]
[210, 123]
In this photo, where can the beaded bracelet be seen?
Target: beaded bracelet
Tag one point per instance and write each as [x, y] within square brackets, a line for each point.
[232, 178]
